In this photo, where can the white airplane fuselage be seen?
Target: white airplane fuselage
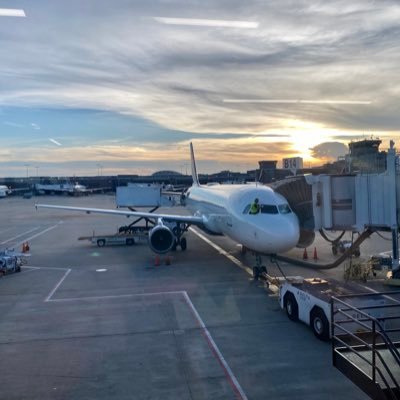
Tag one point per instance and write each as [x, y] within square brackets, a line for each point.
[225, 210]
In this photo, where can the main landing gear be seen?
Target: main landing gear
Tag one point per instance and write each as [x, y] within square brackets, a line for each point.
[178, 231]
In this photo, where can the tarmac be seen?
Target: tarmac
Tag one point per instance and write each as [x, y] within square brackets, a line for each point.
[82, 322]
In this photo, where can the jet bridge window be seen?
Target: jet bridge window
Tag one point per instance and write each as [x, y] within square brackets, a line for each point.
[284, 209]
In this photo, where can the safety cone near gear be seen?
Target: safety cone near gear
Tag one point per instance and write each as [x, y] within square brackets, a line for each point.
[156, 260]
[315, 254]
[305, 255]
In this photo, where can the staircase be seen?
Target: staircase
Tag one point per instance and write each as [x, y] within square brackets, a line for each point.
[365, 332]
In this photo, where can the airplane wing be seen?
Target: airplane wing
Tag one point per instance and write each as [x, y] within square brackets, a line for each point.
[189, 219]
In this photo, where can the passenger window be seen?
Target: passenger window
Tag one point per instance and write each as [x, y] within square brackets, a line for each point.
[268, 209]
[246, 209]
[284, 209]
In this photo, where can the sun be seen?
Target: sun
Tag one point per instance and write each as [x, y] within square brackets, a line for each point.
[305, 135]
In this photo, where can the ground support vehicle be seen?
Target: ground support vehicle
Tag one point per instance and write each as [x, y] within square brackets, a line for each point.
[121, 238]
[10, 263]
[342, 246]
[309, 300]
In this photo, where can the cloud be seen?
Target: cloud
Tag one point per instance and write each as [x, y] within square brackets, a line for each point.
[329, 150]
[55, 142]
[116, 59]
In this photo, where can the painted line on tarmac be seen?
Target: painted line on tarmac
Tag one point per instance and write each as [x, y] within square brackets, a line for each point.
[205, 332]
[214, 348]
[220, 250]
[30, 269]
[381, 293]
[116, 296]
[38, 234]
[58, 285]
[21, 234]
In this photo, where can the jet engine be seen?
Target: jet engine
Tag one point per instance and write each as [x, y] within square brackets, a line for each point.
[161, 239]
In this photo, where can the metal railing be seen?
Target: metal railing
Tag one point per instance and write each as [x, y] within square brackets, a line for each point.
[354, 330]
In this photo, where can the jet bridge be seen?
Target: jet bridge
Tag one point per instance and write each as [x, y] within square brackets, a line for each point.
[357, 203]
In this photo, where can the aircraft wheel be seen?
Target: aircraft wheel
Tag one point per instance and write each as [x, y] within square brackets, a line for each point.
[319, 324]
[130, 242]
[256, 273]
[291, 306]
[101, 243]
[263, 269]
[357, 253]
[334, 250]
[183, 244]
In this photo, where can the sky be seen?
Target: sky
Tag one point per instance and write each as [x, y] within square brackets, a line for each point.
[120, 87]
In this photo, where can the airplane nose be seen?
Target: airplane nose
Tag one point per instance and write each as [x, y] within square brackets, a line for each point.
[287, 234]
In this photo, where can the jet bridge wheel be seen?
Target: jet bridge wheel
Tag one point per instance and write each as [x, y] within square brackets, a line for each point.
[291, 306]
[319, 324]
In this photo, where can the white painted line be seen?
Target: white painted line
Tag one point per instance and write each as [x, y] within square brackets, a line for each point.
[38, 234]
[220, 250]
[101, 270]
[31, 269]
[116, 296]
[215, 350]
[58, 285]
[21, 234]
[228, 372]
[375, 291]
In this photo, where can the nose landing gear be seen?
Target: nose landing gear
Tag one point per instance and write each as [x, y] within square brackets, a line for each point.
[259, 269]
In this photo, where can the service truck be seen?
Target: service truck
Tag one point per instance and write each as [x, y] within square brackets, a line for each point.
[123, 237]
[9, 263]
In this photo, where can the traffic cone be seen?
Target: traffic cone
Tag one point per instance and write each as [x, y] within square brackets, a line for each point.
[315, 254]
[305, 255]
[27, 248]
[157, 261]
[24, 247]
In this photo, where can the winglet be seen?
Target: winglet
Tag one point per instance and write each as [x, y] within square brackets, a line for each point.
[194, 171]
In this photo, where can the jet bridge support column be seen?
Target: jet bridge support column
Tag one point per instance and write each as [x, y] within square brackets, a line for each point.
[395, 254]
[392, 197]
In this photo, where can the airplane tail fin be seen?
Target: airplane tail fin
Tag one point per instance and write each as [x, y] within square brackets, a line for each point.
[194, 171]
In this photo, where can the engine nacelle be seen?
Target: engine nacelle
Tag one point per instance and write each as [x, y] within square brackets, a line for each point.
[161, 239]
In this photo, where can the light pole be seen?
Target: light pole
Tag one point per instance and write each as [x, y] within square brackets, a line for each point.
[27, 170]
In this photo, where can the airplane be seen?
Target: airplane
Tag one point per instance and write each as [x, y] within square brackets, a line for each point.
[221, 210]
[75, 189]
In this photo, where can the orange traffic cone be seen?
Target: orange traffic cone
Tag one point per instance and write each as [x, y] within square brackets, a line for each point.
[24, 247]
[27, 248]
[305, 255]
[157, 261]
[315, 254]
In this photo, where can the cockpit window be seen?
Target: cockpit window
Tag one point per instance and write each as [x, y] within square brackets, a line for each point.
[268, 209]
[246, 209]
[284, 209]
